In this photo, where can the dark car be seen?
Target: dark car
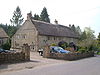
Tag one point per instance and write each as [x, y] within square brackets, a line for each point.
[58, 49]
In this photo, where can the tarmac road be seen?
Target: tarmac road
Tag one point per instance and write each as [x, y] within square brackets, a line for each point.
[88, 66]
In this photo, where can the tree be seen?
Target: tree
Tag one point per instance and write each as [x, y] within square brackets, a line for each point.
[87, 39]
[78, 30]
[44, 15]
[73, 28]
[36, 17]
[10, 30]
[83, 36]
[17, 17]
[98, 44]
[99, 37]
[89, 32]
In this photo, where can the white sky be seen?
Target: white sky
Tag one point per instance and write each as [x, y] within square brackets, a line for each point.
[85, 13]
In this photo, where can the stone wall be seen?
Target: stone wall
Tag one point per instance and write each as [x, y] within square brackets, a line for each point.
[63, 56]
[70, 56]
[48, 40]
[25, 34]
[14, 57]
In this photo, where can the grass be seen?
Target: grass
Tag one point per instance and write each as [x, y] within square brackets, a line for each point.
[99, 53]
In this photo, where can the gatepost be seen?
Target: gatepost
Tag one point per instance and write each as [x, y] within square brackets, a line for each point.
[26, 50]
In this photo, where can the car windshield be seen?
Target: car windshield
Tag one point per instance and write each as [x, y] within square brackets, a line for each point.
[58, 48]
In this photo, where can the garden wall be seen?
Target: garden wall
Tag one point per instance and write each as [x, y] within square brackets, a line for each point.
[12, 57]
[69, 56]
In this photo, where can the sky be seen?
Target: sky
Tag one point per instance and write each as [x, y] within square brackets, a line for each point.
[83, 13]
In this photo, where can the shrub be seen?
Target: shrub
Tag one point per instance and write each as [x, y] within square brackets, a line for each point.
[53, 44]
[83, 49]
[63, 44]
[6, 46]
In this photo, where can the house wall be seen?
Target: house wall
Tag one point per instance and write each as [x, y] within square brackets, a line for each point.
[26, 34]
[48, 40]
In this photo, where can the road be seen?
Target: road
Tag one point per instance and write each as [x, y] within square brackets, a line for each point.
[88, 66]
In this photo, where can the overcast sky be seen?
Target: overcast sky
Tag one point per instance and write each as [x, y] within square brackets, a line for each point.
[83, 13]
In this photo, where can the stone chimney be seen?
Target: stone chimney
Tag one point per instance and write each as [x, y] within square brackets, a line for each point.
[56, 22]
[70, 26]
[29, 15]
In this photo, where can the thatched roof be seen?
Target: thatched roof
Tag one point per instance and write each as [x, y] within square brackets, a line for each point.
[49, 29]
[3, 33]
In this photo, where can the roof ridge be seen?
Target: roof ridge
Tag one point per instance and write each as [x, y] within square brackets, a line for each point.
[42, 21]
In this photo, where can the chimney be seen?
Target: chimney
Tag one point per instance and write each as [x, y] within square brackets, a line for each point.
[56, 22]
[29, 15]
[70, 26]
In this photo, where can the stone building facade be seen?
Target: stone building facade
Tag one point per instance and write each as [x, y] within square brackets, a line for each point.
[3, 37]
[37, 34]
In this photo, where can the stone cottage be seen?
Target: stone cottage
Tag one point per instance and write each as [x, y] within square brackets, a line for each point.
[3, 36]
[37, 34]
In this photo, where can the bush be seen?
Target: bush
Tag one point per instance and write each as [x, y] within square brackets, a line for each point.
[53, 44]
[6, 46]
[82, 49]
[63, 44]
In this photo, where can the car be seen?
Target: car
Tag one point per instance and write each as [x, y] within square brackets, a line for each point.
[58, 49]
[40, 52]
[6, 51]
[2, 50]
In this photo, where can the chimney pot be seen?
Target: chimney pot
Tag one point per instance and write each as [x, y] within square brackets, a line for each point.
[56, 22]
[29, 15]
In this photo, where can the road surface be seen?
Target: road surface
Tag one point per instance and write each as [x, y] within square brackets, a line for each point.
[88, 66]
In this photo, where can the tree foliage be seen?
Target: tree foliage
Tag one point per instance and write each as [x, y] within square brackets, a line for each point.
[89, 32]
[87, 39]
[44, 15]
[36, 17]
[7, 45]
[98, 39]
[73, 28]
[78, 30]
[17, 17]
[83, 36]
[10, 30]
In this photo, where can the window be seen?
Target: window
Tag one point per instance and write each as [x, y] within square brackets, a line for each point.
[24, 36]
[17, 36]
[48, 38]
[59, 38]
[1, 41]
[54, 38]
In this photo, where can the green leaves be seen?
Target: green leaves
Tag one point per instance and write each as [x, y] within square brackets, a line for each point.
[17, 17]
[43, 16]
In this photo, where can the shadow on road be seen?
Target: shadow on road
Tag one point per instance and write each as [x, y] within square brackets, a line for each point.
[5, 66]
